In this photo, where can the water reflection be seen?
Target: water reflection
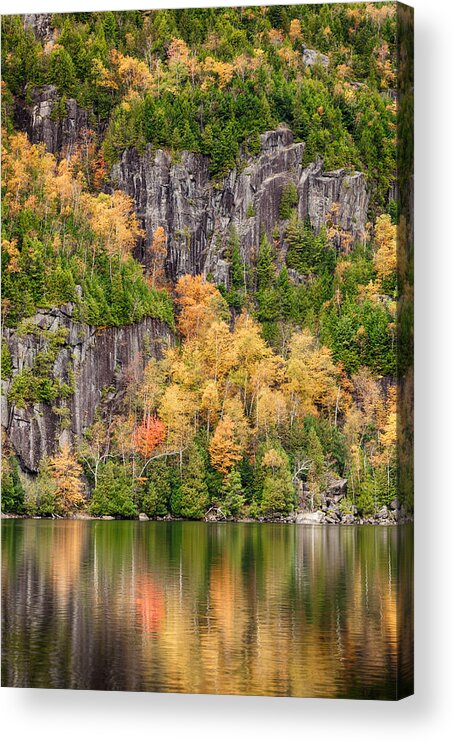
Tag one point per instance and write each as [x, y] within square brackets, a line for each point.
[208, 608]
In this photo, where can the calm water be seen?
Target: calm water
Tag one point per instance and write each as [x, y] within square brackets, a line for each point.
[207, 608]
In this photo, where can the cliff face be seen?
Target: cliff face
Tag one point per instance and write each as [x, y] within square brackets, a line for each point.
[198, 215]
[95, 363]
[59, 130]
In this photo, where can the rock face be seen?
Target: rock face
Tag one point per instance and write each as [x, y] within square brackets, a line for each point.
[310, 57]
[44, 124]
[40, 24]
[93, 361]
[198, 216]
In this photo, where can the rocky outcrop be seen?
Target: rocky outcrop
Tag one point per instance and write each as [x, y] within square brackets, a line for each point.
[93, 363]
[310, 57]
[198, 215]
[44, 121]
[40, 24]
[331, 510]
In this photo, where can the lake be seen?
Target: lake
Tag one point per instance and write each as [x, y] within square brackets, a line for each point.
[231, 608]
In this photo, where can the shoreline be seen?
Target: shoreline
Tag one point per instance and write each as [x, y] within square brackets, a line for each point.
[299, 518]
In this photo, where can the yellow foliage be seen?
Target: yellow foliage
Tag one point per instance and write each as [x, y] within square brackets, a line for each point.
[385, 259]
[224, 451]
[67, 473]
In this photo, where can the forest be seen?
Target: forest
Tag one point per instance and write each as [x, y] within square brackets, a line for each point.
[276, 384]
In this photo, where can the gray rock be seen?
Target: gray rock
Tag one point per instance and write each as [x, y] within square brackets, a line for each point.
[310, 57]
[395, 504]
[336, 489]
[95, 360]
[107, 517]
[198, 215]
[59, 134]
[143, 516]
[383, 513]
[40, 24]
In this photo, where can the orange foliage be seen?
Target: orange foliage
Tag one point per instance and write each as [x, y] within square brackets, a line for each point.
[195, 298]
[149, 435]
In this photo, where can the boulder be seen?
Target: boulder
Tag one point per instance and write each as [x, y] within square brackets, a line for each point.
[383, 513]
[143, 516]
[336, 489]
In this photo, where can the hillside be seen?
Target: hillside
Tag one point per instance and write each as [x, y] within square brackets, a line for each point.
[200, 277]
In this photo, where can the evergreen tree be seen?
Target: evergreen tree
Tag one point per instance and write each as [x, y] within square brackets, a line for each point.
[12, 499]
[156, 498]
[113, 494]
[289, 200]
[278, 492]
[232, 493]
[194, 492]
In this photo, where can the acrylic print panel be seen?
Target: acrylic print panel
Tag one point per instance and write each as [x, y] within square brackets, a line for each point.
[207, 350]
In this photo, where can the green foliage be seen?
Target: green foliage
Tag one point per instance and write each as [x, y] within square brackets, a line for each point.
[113, 494]
[12, 499]
[308, 252]
[193, 492]
[360, 335]
[232, 493]
[349, 126]
[7, 366]
[156, 498]
[289, 200]
[316, 469]
[278, 492]
[34, 385]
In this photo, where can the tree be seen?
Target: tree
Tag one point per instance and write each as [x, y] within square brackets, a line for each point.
[149, 435]
[12, 490]
[295, 29]
[223, 448]
[200, 303]
[157, 495]
[113, 494]
[278, 493]
[193, 491]
[66, 472]
[289, 200]
[232, 493]
[316, 467]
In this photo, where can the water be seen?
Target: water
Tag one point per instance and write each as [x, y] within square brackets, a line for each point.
[265, 609]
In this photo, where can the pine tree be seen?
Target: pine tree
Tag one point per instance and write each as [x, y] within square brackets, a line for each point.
[113, 494]
[194, 492]
[232, 493]
[278, 492]
[12, 490]
[289, 200]
[156, 498]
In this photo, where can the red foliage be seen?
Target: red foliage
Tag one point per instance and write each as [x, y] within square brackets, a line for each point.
[149, 435]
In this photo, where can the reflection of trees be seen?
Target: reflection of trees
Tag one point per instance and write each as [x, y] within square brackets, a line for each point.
[227, 608]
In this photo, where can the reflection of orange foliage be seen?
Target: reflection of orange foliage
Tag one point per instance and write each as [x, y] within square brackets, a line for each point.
[149, 604]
